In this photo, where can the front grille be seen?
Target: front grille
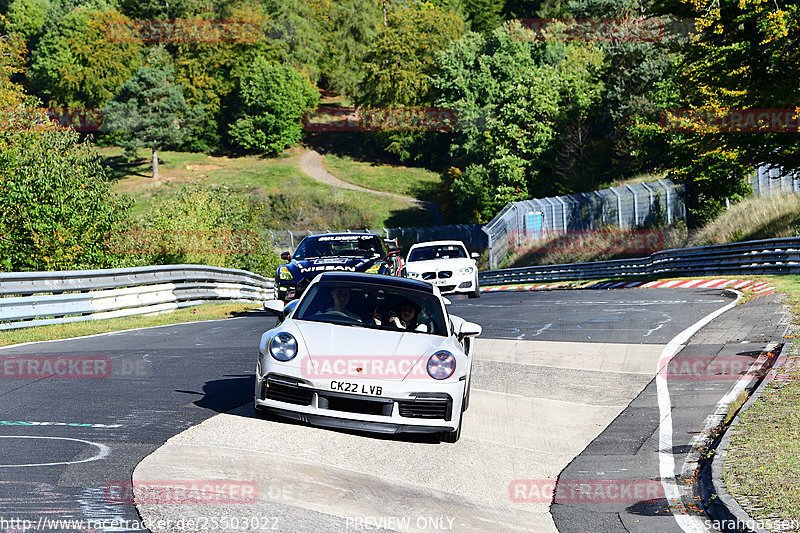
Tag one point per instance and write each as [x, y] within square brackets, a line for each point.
[283, 391]
[425, 408]
[445, 288]
[355, 404]
[428, 275]
[444, 274]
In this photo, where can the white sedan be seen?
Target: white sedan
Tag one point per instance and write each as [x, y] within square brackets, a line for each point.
[367, 352]
[445, 264]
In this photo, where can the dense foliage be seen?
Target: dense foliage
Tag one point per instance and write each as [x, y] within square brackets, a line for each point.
[537, 112]
[56, 206]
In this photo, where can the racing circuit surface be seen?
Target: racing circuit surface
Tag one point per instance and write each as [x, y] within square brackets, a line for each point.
[562, 385]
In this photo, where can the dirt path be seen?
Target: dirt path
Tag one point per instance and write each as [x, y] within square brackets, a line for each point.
[311, 164]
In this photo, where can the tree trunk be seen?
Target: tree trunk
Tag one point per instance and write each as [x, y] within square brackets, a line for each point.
[155, 163]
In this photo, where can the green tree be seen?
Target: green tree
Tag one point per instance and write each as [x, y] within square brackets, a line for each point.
[354, 26]
[298, 32]
[150, 112]
[402, 61]
[271, 101]
[209, 71]
[12, 63]
[75, 63]
[27, 18]
[745, 57]
[513, 99]
[56, 206]
[156, 9]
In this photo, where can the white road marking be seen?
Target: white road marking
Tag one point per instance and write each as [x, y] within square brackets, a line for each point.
[70, 424]
[102, 451]
[666, 460]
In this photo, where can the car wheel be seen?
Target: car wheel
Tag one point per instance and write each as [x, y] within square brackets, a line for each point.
[477, 292]
[453, 436]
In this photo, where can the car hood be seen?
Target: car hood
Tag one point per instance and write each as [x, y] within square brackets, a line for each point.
[439, 264]
[337, 351]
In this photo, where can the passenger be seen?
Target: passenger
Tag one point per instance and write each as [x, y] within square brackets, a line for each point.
[406, 318]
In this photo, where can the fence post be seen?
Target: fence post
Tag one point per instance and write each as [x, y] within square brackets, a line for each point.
[650, 193]
[619, 206]
[635, 205]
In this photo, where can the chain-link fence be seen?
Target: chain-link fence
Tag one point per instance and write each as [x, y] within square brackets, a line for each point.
[770, 180]
[469, 234]
[629, 206]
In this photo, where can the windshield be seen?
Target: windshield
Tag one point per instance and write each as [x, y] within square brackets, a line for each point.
[443, 251]
[373, 306]
[339, 245]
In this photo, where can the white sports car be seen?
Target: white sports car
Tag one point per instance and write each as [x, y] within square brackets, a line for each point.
[367, 352]
[445, 264]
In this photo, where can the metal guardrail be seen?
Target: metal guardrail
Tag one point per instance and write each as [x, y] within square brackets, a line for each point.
[769, 256]
[41, 298]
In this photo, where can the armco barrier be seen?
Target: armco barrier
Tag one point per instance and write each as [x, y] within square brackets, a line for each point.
[769, 256]
[41, 298]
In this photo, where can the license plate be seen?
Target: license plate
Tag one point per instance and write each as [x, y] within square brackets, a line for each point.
[357, 388]
[441, 281]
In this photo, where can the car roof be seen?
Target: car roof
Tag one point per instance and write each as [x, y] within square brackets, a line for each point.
[438, 243]
[376, 279]
[345, 234]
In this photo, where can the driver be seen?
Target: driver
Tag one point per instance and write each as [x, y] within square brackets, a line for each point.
[341, 297]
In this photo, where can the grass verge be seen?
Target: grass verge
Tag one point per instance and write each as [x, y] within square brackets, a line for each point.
[418, 183]
[211, 311]
[762, 466]
[309, 203]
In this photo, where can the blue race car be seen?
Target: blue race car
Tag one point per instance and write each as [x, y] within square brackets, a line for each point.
[348, 252]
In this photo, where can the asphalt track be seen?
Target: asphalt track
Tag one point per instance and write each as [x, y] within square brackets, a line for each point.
[66, 441]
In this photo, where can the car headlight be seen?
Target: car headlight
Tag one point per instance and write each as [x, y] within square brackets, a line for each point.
[373, 269]
[284, 273]
[283, 347]
[465, 270]
[441, 365]
[413, 274]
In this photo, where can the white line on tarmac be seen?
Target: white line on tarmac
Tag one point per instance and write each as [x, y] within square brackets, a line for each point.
[666, 460]
[102, 451]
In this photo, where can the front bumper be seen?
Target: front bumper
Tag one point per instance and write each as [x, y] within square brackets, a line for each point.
[455, 284]
[400, 408]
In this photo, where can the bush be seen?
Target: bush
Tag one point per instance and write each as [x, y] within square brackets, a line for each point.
[56, 206]
[201, 225]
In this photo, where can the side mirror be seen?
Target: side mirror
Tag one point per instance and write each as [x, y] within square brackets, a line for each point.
[475, 255]
[286, 256]
[469, 329]
[276, 307]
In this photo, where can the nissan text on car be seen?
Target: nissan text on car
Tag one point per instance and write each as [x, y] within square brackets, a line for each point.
[446, 264]
[347, 252]
[369, 353]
